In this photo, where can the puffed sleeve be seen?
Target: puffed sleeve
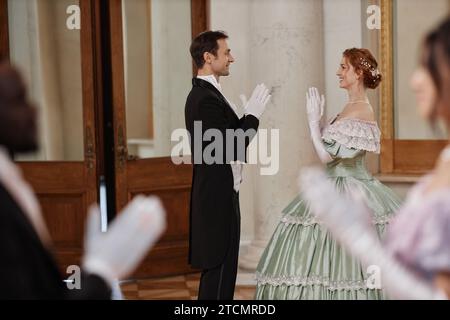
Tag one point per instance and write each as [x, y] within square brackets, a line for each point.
[347, 138]
[433, 243]
[419, 235]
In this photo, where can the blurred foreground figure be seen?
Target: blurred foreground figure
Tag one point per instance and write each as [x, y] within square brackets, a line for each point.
[28, 269]
[415, 259]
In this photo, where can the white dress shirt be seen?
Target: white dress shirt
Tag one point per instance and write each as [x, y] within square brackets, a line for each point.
[236, 166]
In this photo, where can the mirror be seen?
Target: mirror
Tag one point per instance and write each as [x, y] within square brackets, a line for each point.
[412, 21]
[158, 72]
[49, 56]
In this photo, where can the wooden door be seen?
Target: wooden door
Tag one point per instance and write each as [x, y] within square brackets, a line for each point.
[66, 187]
[66, 184]
[154, 175]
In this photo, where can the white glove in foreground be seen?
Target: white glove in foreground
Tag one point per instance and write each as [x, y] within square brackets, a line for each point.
[348, 221]
[118, 252]
[314, 109]
[258, 101]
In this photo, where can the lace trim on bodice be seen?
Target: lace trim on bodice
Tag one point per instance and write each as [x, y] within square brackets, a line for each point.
[311, 220]
[355, 134]
[310, 281]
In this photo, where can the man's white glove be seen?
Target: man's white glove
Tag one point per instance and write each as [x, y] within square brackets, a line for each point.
[258, 101]
[315, 105]
[347, 219]
[117, 253]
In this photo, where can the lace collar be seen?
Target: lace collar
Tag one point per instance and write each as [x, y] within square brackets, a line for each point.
[354, 133]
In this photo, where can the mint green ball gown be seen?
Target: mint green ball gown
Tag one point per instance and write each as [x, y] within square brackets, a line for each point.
[302, 261]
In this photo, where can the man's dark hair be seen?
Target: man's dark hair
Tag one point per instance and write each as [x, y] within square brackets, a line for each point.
[205, 42]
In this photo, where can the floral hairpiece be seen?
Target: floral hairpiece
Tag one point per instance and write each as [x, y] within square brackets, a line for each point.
[374, 71]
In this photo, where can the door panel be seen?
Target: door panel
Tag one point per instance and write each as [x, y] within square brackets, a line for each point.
[4, 33]
[142, 161]
[172, 184]
[59, 72]
[66, 182]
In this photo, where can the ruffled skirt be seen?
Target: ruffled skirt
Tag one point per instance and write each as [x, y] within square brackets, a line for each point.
[303, 261]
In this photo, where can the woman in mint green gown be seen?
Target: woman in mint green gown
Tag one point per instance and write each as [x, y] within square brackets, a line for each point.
[302, 260]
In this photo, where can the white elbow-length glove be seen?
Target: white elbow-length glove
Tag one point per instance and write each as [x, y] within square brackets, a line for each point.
[315, 104]
[116, 253]
[348, 219]
[256, 105]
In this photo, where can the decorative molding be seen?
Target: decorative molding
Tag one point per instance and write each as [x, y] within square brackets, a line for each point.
[199, 21]
[4, 30]
[398, 156]
[387, 87]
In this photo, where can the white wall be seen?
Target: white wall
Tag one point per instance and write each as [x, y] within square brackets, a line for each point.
[137, 67]
[172, 68]
[275, 42]
[411, 27]
[342, 30]
[239, 81]
[49, 57]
